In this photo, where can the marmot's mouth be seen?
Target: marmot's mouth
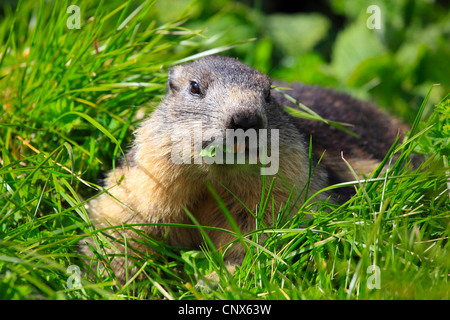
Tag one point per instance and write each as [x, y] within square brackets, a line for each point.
[239, 153]
[209, 148]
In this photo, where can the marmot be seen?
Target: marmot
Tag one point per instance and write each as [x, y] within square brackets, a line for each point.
[221, 93]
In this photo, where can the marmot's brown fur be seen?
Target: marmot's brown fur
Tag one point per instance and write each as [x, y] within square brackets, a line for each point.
[223, 93]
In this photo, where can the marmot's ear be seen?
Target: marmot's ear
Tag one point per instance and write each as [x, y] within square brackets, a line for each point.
[174, 79]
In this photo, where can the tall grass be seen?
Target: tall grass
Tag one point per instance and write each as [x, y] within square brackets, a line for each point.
[70, 100]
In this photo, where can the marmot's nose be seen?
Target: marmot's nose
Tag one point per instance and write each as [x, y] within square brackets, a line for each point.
[246, 121]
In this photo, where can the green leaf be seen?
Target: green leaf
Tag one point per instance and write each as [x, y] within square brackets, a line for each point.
[306, 29]
[353, 45]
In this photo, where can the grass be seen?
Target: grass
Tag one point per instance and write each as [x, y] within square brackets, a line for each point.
[70, 100]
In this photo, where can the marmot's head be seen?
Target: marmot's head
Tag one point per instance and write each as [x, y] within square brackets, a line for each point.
[216, 96]
[223, 92]
[218, 110]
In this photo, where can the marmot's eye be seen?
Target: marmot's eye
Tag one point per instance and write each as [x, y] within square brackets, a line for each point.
[195, 88]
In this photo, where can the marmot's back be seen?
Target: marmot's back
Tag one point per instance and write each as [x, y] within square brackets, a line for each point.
[376, 130]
